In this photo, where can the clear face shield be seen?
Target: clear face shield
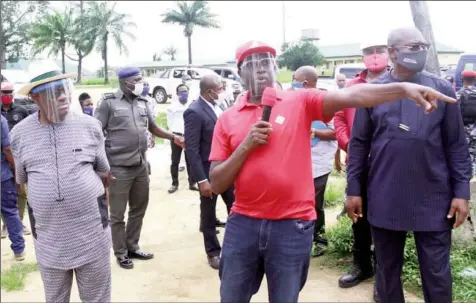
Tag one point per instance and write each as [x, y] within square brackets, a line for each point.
[258, 71]
[54, 99]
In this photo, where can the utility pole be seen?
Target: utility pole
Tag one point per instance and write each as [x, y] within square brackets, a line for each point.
[421, 19]
[284, 23]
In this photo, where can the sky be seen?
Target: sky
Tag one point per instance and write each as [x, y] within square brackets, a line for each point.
[338, 22]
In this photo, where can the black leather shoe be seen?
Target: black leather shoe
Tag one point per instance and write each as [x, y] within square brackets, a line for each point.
[355, 276]
[194, 187]
[139, 254]
[376, 298]
[219, 223]
[173, 189]
[125, 262]
[214, 262]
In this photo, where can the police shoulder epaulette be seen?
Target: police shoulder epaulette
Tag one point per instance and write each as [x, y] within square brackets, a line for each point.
[108, 96]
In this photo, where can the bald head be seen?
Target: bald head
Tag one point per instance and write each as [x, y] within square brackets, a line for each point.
[210, 82]
[306, 74]
[404, 36]
[341, 79]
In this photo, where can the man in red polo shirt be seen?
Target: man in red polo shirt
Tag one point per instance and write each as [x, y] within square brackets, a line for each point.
[271, 225]
[375, 57]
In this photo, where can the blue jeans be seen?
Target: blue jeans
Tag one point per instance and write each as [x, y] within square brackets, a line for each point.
[11, 216]
[253, 247]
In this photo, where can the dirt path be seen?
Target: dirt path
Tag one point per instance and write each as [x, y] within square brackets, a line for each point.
[179, 272]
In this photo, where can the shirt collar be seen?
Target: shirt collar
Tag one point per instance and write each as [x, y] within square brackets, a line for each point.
[245, 100]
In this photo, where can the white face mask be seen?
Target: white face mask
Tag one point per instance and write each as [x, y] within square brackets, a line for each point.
[188, 83]
[221, 97]
[138, 88]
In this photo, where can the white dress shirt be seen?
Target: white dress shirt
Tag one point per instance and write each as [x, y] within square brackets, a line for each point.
[322, 155]
[175, 121]
[218, 111]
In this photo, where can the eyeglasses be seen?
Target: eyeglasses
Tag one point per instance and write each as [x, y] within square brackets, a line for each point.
[414, 47]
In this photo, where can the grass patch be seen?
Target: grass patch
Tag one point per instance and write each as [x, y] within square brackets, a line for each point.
[98, 83]
[14, 277]
[161, 121]
[338, 255]
[335, 190]
[284, 76]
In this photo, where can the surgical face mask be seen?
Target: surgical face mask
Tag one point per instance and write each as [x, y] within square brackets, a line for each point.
[188, 83]
[414, 61]
[138, 88]
[340, 84]
[183, 97]
[146, 90]
[88, 111]
[221, 96]
[376, 62]
[7, 99]
[297, 85]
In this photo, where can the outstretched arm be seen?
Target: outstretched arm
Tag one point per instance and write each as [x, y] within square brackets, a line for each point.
[369, 95]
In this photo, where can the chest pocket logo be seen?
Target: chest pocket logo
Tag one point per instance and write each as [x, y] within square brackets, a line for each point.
[280, 119]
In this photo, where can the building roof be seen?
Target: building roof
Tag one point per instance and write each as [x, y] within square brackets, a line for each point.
[354, 50]
[69, 66]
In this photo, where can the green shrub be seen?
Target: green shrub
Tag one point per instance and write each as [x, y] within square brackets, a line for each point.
[161, 120]
[340, 237]
[461, 257]
[335, 191]
[340, 248]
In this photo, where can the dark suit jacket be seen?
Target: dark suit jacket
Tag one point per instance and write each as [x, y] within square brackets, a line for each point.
[200, 120]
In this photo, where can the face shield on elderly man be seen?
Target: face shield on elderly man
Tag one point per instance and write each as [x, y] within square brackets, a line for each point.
[51, 90]
[257, 67]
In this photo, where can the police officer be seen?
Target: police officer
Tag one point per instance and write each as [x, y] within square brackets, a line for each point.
[125, 118]
[467, 100]
[14, 113]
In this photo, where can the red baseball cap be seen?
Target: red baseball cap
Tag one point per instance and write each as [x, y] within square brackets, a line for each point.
[252, 47]
[468, 73]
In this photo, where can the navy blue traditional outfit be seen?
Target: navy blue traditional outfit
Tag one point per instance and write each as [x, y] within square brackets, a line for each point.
[417, 163]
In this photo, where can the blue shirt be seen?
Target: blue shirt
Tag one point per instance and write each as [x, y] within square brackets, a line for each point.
[416, 162]
[6, 170]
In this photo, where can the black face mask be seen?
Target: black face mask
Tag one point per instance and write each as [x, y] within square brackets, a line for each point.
[413, 61]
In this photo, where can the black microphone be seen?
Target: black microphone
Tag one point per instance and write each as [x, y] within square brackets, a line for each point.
[268, 99]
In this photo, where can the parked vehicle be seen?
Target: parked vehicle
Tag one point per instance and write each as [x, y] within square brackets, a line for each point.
[164, 86]
[466, 62]
[349, 70]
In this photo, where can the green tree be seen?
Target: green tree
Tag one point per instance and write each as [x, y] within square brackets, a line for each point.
[83, 36]
[53, 32]
[300, 54]
[190, 14]
[109, 24]
[16, 19]
[171, 51]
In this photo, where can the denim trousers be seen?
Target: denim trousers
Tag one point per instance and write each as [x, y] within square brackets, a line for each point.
[281, 249]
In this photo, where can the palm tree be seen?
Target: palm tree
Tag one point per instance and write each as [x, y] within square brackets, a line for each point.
[156, 57]
[171, 51]
[190, 14]
[83, 38]
[52, 32]
[109, 24]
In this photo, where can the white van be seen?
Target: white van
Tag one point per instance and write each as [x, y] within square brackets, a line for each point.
[350, 70]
